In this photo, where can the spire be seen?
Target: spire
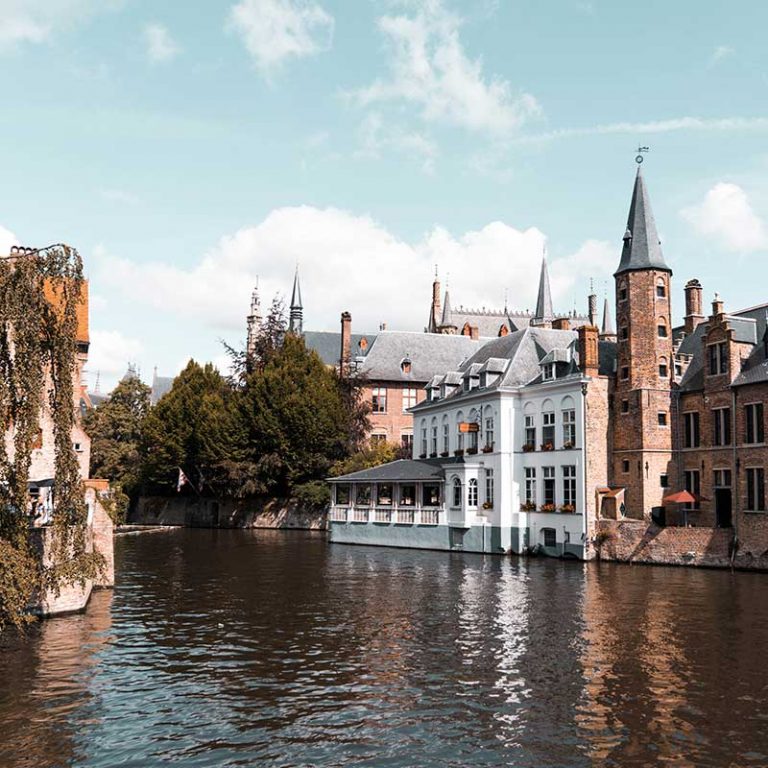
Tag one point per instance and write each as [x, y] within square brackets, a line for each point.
[592, 304]
[253, 322]
[544, 313]
[642, 249]
[296, 316]
[447, 311]
[608, 329]
[434, 310]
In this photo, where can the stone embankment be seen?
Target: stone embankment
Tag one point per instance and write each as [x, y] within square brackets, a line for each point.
[224, 513]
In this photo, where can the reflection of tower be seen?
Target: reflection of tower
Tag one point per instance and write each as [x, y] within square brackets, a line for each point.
[254, 321]
[296, 317]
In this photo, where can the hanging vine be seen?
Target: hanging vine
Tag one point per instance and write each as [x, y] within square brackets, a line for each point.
[39, 295]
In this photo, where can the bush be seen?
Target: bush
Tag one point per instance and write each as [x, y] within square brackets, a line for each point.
[314, 495]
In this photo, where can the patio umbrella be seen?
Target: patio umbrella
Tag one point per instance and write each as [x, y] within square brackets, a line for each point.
[680, 497]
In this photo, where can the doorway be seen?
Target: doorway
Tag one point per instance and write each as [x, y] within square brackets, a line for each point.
[723, 508]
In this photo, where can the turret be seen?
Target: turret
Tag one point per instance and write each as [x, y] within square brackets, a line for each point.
[544, 313]
[296, 316]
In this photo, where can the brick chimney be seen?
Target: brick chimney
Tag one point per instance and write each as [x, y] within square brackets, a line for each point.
[561, 324]
[588, 349]
[693, 305]
[717, 306]
[346, 343]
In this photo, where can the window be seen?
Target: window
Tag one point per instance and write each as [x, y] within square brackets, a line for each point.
[569, 428]
[661, 330]
[550, 537]
[343, 495]
[721, 426]
[549, 372]
[622, 294]
[549, 485]
[430, 495]
[530, 430]
[489, 432]
[363, 495]
[625, 406]
[718, 358]
[624, 333]
[663, 370]
[378, 439]
[625, 466]
[410, 397]
[459, 433]
[691, 420]
[489, 487]
[530, 485]
[423, 439]
[405, 366]
[755, 489]
[754, 418]
[446, 437]
[456, 492]
[569, 486]
[624, 372]
[664, 481]
[693, 485]
[433, 440]
[384, 494]
[548, 430]
[662, 416]
[661, 290]
[408, 495]
[722, 478]
[379, 400]
[406, 441]
[472, 493]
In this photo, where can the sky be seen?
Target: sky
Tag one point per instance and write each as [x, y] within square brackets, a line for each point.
[190, 149]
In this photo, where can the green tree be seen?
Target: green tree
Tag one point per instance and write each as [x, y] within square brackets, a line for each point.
[115, 428]
[370, 456]
[192, 428]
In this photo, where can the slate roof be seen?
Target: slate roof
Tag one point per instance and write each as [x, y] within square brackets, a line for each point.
[327, 344]
[608, 328]
[430, 354]
[401, 470]
[642, 249]
[161, 385]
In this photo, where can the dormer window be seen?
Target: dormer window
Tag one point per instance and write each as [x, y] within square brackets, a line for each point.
[548, 372]
[405, 366]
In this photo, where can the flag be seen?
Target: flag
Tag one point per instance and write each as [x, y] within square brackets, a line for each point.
[182, 481]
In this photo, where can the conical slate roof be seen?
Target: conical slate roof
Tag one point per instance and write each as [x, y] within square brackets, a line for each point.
[296, 295]
[447, 311]
[544, 311]
[642, 249]
[608, 329]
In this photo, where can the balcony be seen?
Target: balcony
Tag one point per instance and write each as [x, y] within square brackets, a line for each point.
[388, 515]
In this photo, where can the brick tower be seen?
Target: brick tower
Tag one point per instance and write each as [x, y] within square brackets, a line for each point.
[642, 418]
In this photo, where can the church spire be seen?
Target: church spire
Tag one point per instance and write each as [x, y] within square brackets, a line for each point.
[296, 316]
[544, 313]
[608, 332]
[642, 249]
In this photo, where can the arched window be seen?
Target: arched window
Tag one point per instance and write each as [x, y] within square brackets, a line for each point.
[472, 495]
[568, 411]
[423, 437]
[623, 290]
[489, 428]
[466, 330]
[503, 330]
[459, 433]
[456, 492]
[433, 437]
[663, 370]
[474, 425]
[548, 425]
[661, 288]
[661, 328]
[446, 436]
[529, 439]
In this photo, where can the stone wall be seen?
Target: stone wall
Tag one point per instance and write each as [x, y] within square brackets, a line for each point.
[195, 512]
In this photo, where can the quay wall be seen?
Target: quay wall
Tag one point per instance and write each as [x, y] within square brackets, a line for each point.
[193, 512]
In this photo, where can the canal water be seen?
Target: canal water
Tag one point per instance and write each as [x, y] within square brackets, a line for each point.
[264, 648]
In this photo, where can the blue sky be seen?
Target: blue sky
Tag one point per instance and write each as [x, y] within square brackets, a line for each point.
[187, 148]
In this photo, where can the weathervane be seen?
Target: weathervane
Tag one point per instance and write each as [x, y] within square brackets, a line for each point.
[640, 150]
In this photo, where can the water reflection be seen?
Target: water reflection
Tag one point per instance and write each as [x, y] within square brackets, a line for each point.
[225, 648]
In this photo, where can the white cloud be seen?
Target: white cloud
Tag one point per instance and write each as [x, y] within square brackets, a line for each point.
[430, 69]
[35, 21]
[7, 241]
[726, 215]
[376, 136]
[160, 45]
[720, 53]
[276, 30]
[350, 262]
[108, 357]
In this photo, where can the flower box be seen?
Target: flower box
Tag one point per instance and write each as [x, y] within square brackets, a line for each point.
[432, 455]
[488, 448]
[547, 446]
[567, 509]
[487, 505]
[527, 506]
[471, 451]
[422, 455]
[548, 508]
[458, 452]
[568, 446]
[444, 454]
[528, 447]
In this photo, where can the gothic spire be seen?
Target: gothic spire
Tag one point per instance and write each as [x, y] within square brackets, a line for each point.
[447, 310]
[608, 329]
[544, 313]
[296, 316]
[642, 249]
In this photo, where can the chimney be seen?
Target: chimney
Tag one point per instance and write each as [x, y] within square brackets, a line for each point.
[588, 350]
[693, 305]
[561, 324]
[346, 343]
[474, 332]
[717, 306]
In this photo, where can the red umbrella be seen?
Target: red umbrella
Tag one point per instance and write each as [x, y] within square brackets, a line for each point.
[681, 497]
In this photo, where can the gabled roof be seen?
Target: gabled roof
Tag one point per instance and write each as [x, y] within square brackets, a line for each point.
[327, 344]
[642, 249]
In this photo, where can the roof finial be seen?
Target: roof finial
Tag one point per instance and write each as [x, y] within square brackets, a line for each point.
[436, 275]
[639, 158]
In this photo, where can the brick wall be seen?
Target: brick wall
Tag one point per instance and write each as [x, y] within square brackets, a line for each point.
[395, 421]
[598, 446]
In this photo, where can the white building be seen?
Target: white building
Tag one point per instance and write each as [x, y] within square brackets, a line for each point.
[499, 457]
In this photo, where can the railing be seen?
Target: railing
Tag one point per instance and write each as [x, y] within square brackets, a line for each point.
[382, 515]
[405, 516]
[400, 516]
[430, 516]
[339, 514]
[360, 515]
